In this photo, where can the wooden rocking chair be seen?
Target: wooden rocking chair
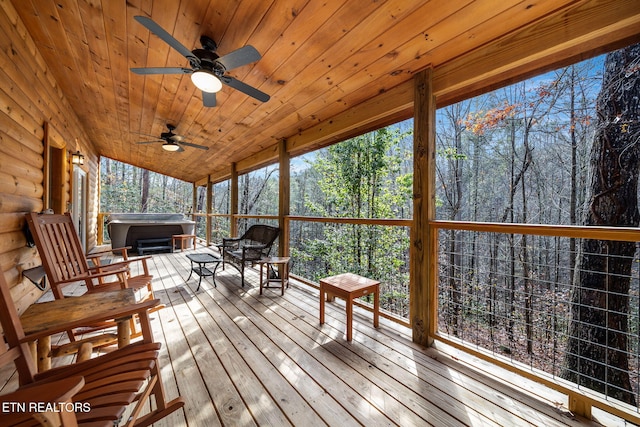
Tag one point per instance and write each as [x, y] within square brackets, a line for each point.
[65, 263]
[95, 392]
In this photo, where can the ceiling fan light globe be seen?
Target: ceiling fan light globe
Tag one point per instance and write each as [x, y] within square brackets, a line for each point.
[206, 81]
[168, 146]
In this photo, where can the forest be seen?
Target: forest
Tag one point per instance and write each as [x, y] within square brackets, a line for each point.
[560, 148]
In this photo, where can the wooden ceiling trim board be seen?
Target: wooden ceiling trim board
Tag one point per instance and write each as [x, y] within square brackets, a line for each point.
[315, 100]
[526, 49]
[65, 54]
[189, 35]
[114, 23]
[271, 23]
[159, 54]
[314, 47]
[135, 49]
[258, 160]
[385, 109]
[218, 18]
[350, 85]
[398, 99]
[99, 59]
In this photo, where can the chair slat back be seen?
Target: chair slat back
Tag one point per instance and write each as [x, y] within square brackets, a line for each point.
[59, 246]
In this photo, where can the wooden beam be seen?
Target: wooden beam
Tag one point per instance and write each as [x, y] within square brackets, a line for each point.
[233, 197]
[46, 181]
[596, 28]
[209, 209]
[422, 310]
[374, 113]
[284, 197]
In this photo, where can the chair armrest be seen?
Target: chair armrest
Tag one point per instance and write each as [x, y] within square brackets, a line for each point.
[125, 263]
[254, 247]
[28, 400]
[226, 240]
[252, 252]
[93, 275]
[106, 251]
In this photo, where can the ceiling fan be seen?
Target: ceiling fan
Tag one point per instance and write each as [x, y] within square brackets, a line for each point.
[172, 142]
[207, 67]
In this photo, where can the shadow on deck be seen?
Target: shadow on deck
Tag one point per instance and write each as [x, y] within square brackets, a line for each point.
[242, 359]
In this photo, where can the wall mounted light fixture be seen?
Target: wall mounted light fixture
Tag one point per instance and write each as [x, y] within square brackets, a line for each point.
[77, 158]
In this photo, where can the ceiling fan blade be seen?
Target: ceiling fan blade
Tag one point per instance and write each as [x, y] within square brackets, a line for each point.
[168, 38]
[238, 58]
[149, 142]
[162, 70]
[208, 99]
[245, 88]
[191, 144]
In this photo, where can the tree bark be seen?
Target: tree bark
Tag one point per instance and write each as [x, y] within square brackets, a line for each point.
[596, 355]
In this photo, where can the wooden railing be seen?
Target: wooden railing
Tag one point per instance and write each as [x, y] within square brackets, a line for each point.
[580, 401]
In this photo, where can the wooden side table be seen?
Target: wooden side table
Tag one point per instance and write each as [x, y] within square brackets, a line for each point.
[183, 238]
[349, 286]
[40, 319]
[283, 272]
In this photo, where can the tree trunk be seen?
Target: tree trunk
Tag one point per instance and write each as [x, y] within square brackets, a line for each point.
[597, 349]
[144, 201]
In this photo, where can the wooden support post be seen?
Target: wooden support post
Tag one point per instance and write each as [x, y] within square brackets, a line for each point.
[284, 196]
[578, 405]
[233, 197]
[46, 169]
[423, 287]
[209, 209]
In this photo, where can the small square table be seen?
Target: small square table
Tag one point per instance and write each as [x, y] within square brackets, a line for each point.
[349, 286]
[200, 267]
[284, 272]
[183, 239]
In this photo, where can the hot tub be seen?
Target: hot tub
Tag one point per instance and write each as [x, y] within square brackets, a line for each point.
[125, 229]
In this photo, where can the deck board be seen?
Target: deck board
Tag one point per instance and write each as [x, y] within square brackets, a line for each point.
[242, 359]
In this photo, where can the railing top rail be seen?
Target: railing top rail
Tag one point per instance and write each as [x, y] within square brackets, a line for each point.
[625, 234]
[363, 221]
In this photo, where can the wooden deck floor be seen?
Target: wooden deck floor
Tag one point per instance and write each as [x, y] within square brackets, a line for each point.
[242, 359]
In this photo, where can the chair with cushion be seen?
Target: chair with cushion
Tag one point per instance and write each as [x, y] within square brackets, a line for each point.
[249, 248]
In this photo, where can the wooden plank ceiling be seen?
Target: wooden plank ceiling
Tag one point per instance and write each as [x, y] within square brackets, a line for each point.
[319, 59]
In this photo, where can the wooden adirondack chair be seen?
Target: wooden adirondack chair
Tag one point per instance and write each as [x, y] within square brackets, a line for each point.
[102, 388]
[64, 263]
[64, 260]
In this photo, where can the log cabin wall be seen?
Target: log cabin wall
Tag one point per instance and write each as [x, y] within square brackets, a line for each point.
[34, 115]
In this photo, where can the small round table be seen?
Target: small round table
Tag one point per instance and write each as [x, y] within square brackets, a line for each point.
[283, 272]
[199, 266]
